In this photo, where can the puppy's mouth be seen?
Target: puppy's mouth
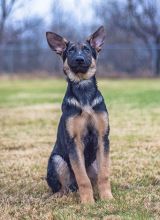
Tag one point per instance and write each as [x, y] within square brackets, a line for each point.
[81, 68]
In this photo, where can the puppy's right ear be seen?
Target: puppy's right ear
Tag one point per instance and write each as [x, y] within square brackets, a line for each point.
[56, 42]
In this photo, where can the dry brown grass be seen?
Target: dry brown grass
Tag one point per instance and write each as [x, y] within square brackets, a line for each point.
[27, 133]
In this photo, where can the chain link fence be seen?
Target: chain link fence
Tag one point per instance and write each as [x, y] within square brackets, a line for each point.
[113, 60]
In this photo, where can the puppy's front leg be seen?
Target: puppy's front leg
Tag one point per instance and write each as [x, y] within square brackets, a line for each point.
[76, 128]
[103, 156]
[78, 165]
[103, 169]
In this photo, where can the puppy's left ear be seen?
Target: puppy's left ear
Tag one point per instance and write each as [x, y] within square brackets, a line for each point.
[96, 40]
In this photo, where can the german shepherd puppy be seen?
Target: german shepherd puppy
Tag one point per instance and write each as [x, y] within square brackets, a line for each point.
[80, 156]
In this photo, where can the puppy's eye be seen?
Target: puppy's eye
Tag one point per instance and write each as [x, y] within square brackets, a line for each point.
[86, 49]
[72, 49]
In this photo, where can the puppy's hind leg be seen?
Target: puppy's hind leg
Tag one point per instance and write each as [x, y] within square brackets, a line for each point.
[58, 175]
[92, 172]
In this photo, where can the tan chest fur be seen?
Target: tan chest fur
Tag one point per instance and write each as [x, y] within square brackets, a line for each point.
[77, 125]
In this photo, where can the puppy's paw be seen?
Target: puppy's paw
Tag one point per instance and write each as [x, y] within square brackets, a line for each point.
[61, 193]
[107, 195]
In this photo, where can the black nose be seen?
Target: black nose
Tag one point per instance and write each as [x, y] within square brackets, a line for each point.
[80, 59]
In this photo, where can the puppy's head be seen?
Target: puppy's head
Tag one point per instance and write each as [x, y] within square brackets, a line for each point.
[79, 58]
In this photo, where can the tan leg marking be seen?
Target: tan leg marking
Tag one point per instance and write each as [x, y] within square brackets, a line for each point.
[103, 176]
[103, 159]
[84, 184]
[76, 127]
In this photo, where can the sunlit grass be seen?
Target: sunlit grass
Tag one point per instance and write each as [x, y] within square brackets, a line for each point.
[29, 115]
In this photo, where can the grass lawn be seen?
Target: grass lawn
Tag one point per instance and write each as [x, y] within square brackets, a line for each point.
[29, 115]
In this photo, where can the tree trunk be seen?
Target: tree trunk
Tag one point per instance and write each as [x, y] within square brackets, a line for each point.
[157, 64]
[1, 33]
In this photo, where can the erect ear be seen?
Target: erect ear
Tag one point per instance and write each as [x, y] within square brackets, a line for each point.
[96, 40]
[56, 42]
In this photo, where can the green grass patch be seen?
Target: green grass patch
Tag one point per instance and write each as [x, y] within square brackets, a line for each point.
[29, 116]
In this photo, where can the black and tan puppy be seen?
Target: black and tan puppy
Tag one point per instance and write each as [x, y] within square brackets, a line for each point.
[81, 152]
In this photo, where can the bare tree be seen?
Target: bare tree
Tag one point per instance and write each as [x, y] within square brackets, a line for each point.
[142, 18]
[65, 22]
[145, 21]
[59, 20]
[6, 7]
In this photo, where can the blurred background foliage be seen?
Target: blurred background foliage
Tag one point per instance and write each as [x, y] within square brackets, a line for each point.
[132, 45]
